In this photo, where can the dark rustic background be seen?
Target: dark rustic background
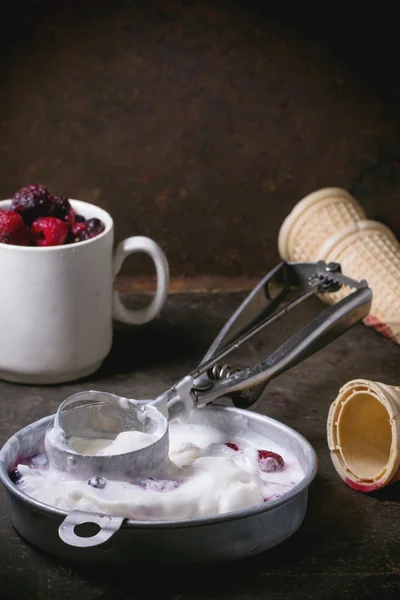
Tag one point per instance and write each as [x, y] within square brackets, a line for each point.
[201, 123]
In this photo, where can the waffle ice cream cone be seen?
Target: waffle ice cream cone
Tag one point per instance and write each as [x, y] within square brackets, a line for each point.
[369, 250]
[313, 220]
[364, 434]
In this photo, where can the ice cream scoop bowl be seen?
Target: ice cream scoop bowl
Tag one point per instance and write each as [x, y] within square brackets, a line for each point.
[96, 415]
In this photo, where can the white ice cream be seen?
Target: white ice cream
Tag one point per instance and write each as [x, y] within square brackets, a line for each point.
[127, 441]
[208, 477]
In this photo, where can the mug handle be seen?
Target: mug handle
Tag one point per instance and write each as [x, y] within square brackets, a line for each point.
[143, 315]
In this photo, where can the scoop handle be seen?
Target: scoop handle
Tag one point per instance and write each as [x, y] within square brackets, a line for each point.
[245, 386]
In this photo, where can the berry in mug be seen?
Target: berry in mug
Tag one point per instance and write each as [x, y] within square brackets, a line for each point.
[37, 218]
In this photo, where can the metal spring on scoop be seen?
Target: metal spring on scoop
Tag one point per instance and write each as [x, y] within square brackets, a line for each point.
[241, 399]
[219, 372]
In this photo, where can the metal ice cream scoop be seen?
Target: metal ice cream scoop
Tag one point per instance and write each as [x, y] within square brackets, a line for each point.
[99, 415]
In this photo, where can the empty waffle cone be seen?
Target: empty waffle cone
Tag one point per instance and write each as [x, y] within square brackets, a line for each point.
[314, 219]
[364, 434]
[369, 250]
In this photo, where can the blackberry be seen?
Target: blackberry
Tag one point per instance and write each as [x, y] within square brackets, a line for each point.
[97, 482]
[31, 202]
[15, 476]
[94, 227]
[60, 206]
[80, 219]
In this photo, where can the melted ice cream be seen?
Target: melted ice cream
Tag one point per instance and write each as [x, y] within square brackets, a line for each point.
[210, 475]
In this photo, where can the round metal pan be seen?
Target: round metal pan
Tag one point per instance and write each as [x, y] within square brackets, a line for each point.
[220, 538]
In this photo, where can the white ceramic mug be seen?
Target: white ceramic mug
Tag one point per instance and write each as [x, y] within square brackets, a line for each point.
[57, 303]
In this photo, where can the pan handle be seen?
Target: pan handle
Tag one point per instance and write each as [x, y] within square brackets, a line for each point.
[108, 527]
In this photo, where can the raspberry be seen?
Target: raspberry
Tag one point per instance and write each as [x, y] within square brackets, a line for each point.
[51, 219]
[31, 202]
[94, 227]
[270, 461]
[60, 206]
[49, 231]
[78, 232]
[12, 229]
[232, 445]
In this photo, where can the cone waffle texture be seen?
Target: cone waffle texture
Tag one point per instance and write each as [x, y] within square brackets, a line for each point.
[330, 225]
[364, 434]
[369, 250]
[313, 220]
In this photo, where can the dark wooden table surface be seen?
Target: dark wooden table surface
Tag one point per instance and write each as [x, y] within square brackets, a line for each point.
[349, 543]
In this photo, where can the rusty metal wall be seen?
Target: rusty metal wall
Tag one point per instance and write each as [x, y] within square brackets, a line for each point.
[201, 123]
